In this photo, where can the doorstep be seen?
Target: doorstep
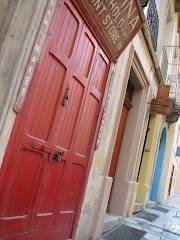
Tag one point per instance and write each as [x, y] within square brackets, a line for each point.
[111, 221]
[151, 204]
[138, 207]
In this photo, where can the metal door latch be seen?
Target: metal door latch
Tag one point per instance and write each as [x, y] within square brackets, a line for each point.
[59, 156]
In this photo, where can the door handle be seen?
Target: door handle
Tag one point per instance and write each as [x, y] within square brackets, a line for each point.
[65, 100]
[59, 156]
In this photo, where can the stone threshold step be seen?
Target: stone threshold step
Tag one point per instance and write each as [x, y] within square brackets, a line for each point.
[111, 221]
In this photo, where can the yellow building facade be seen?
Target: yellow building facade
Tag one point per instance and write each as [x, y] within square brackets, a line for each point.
[144, 168]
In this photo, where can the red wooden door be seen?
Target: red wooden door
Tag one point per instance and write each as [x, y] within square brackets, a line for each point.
[39, 195]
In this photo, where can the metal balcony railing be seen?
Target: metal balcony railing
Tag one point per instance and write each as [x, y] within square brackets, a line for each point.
[173, 81]
[153, 21]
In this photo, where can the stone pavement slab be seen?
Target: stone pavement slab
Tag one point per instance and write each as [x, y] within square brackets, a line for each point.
[147, 216]
[163, 224]
[124, 232]
[161, 209]
[174, 201]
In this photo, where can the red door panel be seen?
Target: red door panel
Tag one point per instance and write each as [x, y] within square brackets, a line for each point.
[48, 192]
[17, 194]
[67, 118]
[46, 165]
[68, 198]
[42, 234]
[61, 232]
[41, 117]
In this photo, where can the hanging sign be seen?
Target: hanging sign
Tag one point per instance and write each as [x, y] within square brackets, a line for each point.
[114, 22]
[162, 105]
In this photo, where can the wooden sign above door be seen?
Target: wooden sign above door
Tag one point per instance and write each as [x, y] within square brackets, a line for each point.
[114, 22]
[162, 105]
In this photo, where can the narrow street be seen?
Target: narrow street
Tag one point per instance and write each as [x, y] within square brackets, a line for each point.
[89, 119]
[161, 222]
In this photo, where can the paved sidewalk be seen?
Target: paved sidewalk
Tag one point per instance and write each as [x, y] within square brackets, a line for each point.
[159, 223]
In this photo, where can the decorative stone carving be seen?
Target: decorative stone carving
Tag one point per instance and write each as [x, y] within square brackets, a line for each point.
[105, 110]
